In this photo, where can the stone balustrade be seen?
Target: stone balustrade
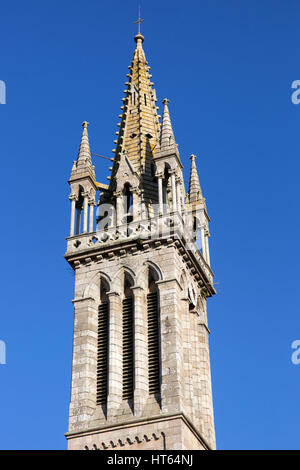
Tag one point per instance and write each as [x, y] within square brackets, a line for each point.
[162, 226]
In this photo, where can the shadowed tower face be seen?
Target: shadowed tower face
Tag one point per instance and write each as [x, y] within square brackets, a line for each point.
[141, 369]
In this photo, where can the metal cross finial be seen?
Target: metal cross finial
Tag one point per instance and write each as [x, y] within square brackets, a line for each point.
[139, 21]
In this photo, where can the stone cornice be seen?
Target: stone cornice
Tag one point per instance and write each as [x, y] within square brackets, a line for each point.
[141, 421]
[82, 299]
[200, 269]
[83, 177]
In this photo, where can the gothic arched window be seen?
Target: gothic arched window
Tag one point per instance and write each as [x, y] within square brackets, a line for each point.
[153, 335]
[102, 345]
[128, 338]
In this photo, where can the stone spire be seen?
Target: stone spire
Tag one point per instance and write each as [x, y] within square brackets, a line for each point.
[83, 164]
[167, 136]
[195, 193]
[139, 128]
[84, 149]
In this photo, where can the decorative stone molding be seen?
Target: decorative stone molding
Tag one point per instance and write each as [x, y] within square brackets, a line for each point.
[128, 442]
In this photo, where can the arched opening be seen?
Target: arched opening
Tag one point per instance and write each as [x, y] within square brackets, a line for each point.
[166, 187]
[127, 206]
[128, 338]
[79, 208]
[197, 234]
[153, 319]
[102, 345]
[153, 171]
[106, 210]
[127, 203]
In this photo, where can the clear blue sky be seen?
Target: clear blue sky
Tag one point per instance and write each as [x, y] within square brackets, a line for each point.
[227, 67]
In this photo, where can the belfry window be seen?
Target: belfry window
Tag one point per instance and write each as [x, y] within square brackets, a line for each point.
[128, 339]
[153, 336]
[102, 346]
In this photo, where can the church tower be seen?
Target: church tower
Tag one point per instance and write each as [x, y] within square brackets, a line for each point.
[141, 369]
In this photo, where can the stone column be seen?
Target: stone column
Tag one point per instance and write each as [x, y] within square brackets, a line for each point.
[91, 215]
[171, 346]
[160, 192]
[85, 211]
[114, 398]
[78, 220]
[84, 364]
[135, 204]
[207, 257]
[206, 416]
[173, 183]
[140, 350]
[143, 206]
[203, 244]
[73, 204]
[119, 207]
[188, 373]
[178, 194]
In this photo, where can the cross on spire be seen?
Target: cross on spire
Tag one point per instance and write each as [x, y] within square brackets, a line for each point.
[139, 21]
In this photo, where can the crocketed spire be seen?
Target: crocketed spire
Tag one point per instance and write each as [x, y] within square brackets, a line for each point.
[83, 164]
[84, 149]
[139, 128]
[195, 193]
[167, 136]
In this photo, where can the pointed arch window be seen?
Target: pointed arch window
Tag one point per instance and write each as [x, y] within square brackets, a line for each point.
[153, 335]
[128, 339]
[102, 345]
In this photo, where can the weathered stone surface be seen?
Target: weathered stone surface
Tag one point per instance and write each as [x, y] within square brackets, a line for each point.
[181, 415]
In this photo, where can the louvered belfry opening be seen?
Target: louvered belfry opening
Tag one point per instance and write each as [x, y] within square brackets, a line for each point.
[128, 340]
[153, 337]
[102, 347]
